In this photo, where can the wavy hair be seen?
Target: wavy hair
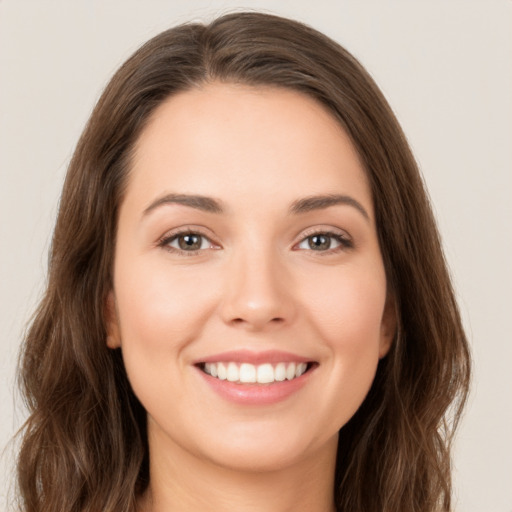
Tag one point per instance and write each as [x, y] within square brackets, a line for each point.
[84, 445]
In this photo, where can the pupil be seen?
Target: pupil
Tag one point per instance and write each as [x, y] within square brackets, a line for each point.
[190, 242]
[319, 242]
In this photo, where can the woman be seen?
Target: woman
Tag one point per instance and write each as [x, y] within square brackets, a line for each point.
[248, 306]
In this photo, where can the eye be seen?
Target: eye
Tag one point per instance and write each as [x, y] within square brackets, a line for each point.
[188, 241]
[325, 241]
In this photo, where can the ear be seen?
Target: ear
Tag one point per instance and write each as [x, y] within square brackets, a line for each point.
[388, 326]
[112, 322]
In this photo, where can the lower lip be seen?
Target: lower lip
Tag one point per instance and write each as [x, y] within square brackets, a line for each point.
[256, 394]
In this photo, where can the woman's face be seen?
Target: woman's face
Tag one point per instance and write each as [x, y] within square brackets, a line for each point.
[249, 293]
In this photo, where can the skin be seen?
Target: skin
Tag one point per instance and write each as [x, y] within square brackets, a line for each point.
[254, 284]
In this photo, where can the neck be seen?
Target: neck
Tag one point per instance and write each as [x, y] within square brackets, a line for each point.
[179, 481]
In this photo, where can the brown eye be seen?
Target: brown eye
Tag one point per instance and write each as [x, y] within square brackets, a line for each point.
[319, 242]
[325, 242]
[190, 242]
[187, 242]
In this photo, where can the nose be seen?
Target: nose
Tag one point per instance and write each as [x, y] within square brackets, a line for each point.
[259, 293]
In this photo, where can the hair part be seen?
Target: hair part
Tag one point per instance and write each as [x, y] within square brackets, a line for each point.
[84, 445]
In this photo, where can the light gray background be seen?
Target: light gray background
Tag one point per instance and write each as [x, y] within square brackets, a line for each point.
[446, 68]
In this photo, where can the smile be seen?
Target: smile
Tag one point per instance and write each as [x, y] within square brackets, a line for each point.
[247, 373]
[261, 378]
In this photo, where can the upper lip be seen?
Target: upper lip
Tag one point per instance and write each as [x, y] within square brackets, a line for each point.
[252, 357]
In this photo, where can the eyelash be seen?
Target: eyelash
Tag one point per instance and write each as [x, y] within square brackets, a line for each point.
[171, 237]
[343, 240]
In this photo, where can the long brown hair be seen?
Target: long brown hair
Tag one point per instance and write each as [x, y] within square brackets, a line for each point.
[84, 445]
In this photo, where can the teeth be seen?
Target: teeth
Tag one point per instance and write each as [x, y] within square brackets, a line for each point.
[301, 368]
[280, 372]
[222, 372]
[290, 371]
[249, 373]
[265, 374]
[233, 374]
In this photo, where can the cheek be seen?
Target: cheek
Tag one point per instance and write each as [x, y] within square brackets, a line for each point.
[161, 309]
[348, 306]
[347, 318]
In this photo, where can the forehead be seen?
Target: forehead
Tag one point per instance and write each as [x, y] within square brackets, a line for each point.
[250, 143]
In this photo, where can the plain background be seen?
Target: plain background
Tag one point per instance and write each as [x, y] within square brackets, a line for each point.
[444, 65]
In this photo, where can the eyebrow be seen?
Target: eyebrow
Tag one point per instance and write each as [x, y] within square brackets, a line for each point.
[304, 205]
[311, 203]
[206, 204]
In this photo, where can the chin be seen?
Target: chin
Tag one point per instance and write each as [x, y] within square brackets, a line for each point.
[264, 452]
[257, 459]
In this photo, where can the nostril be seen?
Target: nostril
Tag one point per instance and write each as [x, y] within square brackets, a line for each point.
[277, 320]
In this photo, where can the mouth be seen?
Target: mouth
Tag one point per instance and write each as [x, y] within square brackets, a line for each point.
[247, 373]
